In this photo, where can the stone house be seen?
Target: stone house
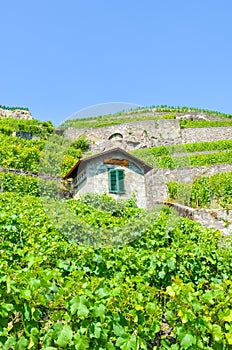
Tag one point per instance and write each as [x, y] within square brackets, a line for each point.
[114, 172]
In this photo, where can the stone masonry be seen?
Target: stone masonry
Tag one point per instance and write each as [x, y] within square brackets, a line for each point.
[17, 113]
[218, 219]
[151, 133]
[206, 134]
[157, 179]
[147, 133]
[129, 136]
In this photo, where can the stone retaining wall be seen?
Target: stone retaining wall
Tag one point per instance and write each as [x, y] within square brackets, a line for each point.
[218, 219]
[157, 179]
[129, 136]
[192, 135]
[147, 133]
[30, 173]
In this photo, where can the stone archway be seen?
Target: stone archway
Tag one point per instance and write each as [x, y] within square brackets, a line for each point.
[116, 137]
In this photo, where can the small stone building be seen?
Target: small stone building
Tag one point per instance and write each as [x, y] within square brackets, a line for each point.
[114, 172]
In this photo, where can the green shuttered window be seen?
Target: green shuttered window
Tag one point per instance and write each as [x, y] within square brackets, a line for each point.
[116, 181]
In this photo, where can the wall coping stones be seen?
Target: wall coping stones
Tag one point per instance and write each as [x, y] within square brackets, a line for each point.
[219, 219]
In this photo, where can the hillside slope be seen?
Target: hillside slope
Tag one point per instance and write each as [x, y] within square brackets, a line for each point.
[120, 278]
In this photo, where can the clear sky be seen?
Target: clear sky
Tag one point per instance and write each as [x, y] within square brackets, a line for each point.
[58, 57]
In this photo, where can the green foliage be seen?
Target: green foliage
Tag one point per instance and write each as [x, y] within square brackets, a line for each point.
[200, 315]
[203, 123]
[106, 203]
[161, 157]
[17, 153]
[59, 155]
[173, 109]
[20, 184]
[171, 288]
[33, 186]
[203, 146]
[180, 192]
[204, 192]
[35, 127]
[104, 211]
[112, 119]
[57, 294]
[81, 143]
[184, 148]
[143, 113]
[195, 147]
[20, 153]
[14, 108]
[195, 160]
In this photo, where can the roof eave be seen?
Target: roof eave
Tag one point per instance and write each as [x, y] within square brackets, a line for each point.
[147, 167]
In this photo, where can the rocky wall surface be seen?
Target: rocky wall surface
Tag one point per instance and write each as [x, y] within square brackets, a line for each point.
[157, 179]
[156, 188]
[218, 219]
[206, 134]
[147, 133]
[30, 173]
[129, 136]
[17, 113]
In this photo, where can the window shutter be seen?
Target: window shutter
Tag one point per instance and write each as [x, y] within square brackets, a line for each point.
[112, 181]
[116, 181]
[121, 187]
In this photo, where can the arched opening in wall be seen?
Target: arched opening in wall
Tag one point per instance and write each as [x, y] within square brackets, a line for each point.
[116, 137]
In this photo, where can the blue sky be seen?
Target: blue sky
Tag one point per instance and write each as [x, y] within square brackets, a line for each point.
[59, 57]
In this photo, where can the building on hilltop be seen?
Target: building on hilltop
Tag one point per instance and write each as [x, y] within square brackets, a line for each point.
[114, 172]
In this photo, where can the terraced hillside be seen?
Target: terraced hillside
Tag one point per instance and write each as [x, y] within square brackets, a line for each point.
[151, 127]
[123, 278]
[22, 142]
[192, 154]
[150, 113]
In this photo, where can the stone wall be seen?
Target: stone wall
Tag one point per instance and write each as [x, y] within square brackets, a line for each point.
[188, 174]
[206, 134]
[218, 219]
[151, 133]
[156, 187]
[17, 113]
[157, 179]
[23, 134]
[147, 133]
[129, 136]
